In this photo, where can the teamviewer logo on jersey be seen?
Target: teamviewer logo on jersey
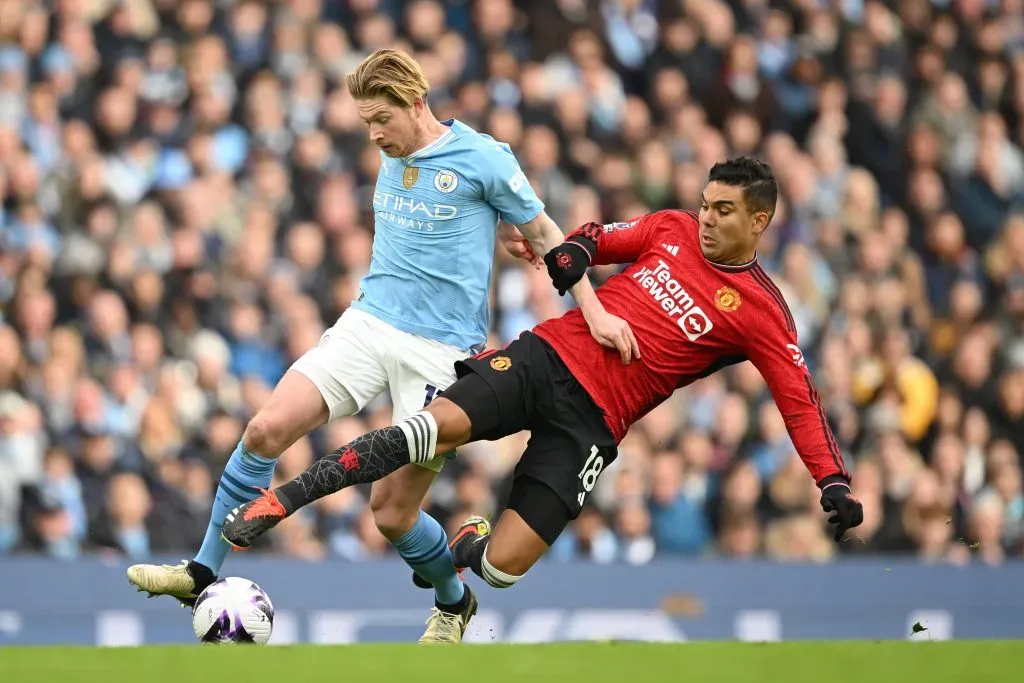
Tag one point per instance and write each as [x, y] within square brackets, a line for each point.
[695, 323]
[670, 294]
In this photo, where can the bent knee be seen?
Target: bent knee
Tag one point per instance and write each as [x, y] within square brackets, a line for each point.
[267, 436]
[502, 569]
[393, 517]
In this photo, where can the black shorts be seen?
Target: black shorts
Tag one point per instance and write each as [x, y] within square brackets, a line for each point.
[532, 389]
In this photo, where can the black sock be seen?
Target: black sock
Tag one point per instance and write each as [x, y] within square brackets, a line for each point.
[471, 553]
[364, 460]
[202, 575]
[456, 608]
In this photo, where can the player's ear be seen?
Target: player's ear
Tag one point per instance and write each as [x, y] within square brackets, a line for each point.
[760, 223]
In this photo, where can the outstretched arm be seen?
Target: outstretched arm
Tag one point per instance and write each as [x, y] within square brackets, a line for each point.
[593, 244]
[608, 330]
[507, 189]
[774, 352]
[541, 234]
[622, 242]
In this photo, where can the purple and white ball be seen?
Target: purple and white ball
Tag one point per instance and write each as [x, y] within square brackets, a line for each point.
[233, 610]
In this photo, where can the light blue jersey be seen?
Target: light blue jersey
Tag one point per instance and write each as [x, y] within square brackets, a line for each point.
[436, 213]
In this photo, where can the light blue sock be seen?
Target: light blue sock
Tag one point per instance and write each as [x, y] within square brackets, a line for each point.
[244, 473]
[425, 549]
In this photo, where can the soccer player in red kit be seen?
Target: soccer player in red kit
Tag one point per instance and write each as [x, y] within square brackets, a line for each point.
[694, 299]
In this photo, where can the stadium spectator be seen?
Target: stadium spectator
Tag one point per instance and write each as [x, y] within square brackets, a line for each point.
[185, 206]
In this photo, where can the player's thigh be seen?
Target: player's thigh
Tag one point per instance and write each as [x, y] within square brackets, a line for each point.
[569, 461]
[496, 391]
[419, 371]
[346, 366]
[534, 518]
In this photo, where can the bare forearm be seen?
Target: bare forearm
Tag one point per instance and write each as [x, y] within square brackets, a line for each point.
[543, 236]
[586, 298]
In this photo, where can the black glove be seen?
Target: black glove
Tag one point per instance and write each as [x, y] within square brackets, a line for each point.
[568, 262]
[837, 498]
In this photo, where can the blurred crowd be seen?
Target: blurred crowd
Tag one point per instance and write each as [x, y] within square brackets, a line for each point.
[186, 207]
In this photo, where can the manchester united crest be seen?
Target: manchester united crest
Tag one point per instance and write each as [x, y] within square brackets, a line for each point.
[727, 299]
[501, 363]
[410, 176]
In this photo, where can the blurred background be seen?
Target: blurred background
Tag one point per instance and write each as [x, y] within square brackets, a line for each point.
[186, 207]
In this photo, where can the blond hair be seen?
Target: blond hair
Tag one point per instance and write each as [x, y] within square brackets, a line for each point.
[392, 74]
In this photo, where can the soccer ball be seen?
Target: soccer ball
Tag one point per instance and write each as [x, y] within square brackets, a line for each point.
[233, 610]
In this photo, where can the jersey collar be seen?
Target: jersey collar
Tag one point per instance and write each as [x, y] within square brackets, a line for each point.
[731, 269]
[437, 144]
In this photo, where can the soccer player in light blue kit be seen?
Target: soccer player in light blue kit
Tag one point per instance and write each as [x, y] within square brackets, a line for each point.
[441, 190]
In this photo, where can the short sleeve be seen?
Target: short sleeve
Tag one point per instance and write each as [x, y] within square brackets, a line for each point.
[506, 187]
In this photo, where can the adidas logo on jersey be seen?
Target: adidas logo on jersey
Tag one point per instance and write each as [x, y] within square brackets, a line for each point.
[672, 249]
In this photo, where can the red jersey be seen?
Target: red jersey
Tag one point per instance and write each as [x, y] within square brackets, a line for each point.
[691, 318]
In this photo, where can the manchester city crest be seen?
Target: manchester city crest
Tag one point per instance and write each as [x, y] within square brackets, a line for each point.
[446, 181]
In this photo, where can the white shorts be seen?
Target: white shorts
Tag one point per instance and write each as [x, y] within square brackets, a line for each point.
[361, 356]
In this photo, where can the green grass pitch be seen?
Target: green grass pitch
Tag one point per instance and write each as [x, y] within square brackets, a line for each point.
[817, 662]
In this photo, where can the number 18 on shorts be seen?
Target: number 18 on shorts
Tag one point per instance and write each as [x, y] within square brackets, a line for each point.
[588, 475]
